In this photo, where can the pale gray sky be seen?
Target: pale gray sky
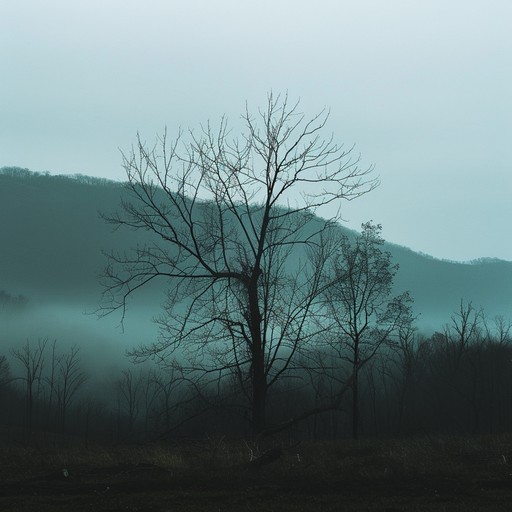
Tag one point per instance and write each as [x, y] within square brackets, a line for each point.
[423, 87]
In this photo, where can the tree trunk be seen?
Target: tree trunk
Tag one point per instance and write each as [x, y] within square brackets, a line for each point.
[355, 390]
[355, 405]
[259, 378]
[259, 420]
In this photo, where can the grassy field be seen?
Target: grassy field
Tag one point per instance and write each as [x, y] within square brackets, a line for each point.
[441, 473]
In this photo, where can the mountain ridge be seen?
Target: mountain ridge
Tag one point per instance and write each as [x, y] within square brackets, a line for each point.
[53, 238]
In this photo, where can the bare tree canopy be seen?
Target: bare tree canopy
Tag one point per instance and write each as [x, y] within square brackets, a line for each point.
[236, 238]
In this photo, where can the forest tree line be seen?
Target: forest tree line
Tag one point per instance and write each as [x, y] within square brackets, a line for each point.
[456, 381]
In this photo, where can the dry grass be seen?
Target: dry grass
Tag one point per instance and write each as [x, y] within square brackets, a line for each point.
[428, 457]
[431, 473]
[441, 456]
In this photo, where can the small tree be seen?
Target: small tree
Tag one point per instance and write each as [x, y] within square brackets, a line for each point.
[363, 313]
[464, 352]
[464, 329]
[5, 373]
[167, 385]
[232, 221]
[32, 359]
[129, 388]
[407, 366]
[71, 378]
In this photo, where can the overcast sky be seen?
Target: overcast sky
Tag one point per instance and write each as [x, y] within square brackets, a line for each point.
[422, 87]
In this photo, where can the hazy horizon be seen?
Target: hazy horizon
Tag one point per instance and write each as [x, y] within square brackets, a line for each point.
[422, 89]
[121, 181]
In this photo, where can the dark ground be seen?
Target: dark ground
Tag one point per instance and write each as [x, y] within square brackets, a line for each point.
[442, 474]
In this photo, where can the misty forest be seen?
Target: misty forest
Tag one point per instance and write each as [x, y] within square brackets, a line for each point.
[216, 295]
[234, 302]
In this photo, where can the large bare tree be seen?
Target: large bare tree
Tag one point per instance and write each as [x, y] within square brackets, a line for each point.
[236, 238]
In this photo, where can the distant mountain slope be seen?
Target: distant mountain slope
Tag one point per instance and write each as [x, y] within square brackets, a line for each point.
[437, 286]
[52, 239]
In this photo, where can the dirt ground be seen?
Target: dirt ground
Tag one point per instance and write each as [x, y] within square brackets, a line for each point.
[459, 476]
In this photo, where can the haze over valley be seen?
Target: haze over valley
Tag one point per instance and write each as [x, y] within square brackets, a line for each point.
[53, 245]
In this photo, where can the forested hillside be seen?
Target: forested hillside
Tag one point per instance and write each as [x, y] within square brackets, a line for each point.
[53, 241]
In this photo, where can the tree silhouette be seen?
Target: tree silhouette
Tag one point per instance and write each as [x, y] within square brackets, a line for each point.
[236, 238]
[32, 359]
[360, 306]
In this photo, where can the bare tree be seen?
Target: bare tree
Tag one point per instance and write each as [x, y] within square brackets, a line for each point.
[464, 352]
[233, 223]
[51, 384]
[129, 396]
[360, 305]
[502, 331]
[167, 384]
[406, 368]
[463, 330]
[71, 378]
[32, 359]
[5, 373]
